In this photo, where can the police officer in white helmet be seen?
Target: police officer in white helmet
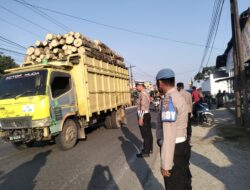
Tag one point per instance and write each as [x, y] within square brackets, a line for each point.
[144, 119]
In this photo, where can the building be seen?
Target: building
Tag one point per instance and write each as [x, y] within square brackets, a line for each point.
[213, 84]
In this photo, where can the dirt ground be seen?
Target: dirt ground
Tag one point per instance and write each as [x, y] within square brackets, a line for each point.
[221, 155]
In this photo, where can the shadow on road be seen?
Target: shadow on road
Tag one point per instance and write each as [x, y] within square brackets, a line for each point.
[23, 177]
[102, 179]
[139, 166]
[234, 175]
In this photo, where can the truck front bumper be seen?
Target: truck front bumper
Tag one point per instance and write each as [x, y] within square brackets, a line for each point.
[23, 128]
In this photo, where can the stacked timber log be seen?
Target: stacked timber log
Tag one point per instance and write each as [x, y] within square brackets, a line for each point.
[58, 47]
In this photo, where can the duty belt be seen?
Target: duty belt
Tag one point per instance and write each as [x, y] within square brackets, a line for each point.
[180, 140]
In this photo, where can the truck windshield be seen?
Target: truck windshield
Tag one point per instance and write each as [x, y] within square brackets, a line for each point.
[23, 84]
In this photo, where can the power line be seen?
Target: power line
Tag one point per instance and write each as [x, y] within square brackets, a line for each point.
[118, 28]
[44, 15]
[7, 45]
[19, 27]
[11, 42]
[210, 31]
[27, 20]
[216, 31]
[213, 29]
[12, 51]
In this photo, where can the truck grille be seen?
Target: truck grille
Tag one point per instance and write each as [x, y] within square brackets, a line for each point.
[16, 123]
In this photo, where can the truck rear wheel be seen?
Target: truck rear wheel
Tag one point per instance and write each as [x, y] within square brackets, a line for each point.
[116, 119]
[68, 136]
[108, 123]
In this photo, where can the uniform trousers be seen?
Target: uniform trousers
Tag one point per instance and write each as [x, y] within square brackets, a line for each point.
[146, 134]
[180, 178]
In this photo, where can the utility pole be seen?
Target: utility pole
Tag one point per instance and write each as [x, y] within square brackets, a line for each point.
[241, 103]
[131, 76]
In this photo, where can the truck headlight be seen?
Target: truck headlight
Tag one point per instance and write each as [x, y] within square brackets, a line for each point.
[1, 125]
[41, 122]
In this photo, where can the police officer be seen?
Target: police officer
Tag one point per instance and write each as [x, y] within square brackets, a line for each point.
[175, 149]
[188, 98]
[144, 119]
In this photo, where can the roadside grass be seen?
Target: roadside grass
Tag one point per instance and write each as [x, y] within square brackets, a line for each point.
[232, 133]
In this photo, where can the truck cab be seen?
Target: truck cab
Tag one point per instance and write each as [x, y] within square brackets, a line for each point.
[34, 102]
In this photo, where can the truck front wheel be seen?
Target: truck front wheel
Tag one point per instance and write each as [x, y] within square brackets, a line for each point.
[68, 136]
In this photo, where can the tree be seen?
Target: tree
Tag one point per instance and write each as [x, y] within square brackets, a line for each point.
[206, 71]
[6, 62]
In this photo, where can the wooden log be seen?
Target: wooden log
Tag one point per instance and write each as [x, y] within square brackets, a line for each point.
[78, 42]
[38, 51]
[61, 55]
[58, 37]
[71, 33]
[54, 57]
[30, 50]
[54, 43]
[42, 56]
[50, 37]
[81, 50]
[39, 60]
[73, 49]
[46, 50]
[77, 35]
[65, 47]
[65, 35]
[38, 43]
[62, 41]
[27, 59]
[50, 46]
[68, 52]
[33, 57]
[45, 43]
[55, 50]
[48, 56]
[69, 40]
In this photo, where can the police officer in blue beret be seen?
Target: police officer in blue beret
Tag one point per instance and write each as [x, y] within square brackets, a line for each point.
[175, 149]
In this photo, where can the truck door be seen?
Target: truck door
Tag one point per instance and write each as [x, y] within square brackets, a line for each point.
[62, 99]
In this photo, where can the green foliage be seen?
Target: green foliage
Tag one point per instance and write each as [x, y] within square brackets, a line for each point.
[206, 71]
[6, 62]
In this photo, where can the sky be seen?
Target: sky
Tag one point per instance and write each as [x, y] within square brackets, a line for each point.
[177, 20]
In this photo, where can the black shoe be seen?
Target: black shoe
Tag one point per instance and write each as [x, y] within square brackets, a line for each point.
[151, 151]
[142, 155]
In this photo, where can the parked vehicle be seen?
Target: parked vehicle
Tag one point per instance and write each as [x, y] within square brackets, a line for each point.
[205, 117]
[156, 103]
[59, 99]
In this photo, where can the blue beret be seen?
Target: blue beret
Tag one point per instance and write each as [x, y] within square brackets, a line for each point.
[165, 74]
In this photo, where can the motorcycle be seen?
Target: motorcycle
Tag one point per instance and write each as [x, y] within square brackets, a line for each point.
[205, 117]
[156, 102]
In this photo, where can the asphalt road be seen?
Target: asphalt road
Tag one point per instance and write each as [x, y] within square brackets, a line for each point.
[105, 161]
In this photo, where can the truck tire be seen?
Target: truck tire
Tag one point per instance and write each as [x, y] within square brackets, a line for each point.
[116, 119]
[68, 136]
[108, 123]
